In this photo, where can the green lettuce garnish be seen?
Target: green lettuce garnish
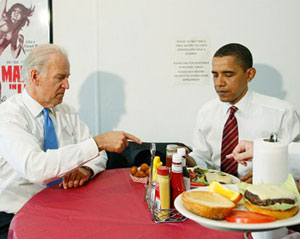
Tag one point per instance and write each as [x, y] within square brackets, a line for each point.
[242, 187]
[290, 185]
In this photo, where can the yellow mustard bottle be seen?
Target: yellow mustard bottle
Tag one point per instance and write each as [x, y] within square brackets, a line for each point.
[156, 164]
[162, 193]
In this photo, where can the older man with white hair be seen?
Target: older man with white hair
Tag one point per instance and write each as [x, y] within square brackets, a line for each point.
[43, 139]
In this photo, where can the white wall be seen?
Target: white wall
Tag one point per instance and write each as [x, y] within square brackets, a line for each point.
[75, 27]
[121, 57]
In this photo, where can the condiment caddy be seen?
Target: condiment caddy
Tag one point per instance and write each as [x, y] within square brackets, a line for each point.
[158, 190]
[162, 215]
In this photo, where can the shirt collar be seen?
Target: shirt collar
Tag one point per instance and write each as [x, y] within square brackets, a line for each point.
[241, 105]
[33, 106]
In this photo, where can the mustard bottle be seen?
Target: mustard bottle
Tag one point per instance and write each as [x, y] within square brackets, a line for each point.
[156, 163]
[162, 193]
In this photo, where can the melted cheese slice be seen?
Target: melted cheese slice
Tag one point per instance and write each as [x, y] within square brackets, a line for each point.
[270, 191]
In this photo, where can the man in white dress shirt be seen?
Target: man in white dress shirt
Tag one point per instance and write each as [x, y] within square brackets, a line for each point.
[24, 167]
[257, 116]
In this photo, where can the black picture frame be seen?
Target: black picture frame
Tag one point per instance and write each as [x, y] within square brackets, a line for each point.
[50, 21]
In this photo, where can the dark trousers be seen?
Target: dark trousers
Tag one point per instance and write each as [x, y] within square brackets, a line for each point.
[5, 219]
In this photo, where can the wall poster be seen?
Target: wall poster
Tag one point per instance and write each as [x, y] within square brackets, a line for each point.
[191, 62]
[24, 24]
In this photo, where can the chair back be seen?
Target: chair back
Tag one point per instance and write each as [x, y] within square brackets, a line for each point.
[136, 154]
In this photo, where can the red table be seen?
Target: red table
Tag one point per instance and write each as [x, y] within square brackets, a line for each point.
[109, 206]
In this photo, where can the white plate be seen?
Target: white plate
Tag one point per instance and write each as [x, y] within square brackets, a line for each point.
[227, 226]
[235, 180]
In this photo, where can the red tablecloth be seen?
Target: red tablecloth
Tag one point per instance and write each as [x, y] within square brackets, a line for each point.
[109, 206]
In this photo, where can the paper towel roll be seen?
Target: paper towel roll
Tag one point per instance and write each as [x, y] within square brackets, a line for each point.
[270, 162]
[294, 159]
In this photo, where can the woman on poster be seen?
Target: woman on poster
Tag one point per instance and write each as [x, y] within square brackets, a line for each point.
[11, 22]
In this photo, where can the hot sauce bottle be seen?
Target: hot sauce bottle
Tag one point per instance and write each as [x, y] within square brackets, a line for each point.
[186, 174]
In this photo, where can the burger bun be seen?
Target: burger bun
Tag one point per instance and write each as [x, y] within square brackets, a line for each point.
[207, 204]
[274, 213]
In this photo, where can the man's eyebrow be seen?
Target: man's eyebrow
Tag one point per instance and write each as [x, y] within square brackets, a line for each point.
[60, 75]
[223, 72]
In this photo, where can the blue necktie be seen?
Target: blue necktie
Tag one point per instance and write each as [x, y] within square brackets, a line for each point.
[50, 140]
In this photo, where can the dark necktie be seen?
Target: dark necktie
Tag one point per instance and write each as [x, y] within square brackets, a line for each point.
[230, 139]
[50, 139]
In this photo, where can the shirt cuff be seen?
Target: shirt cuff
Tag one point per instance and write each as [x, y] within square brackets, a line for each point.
[98, 164]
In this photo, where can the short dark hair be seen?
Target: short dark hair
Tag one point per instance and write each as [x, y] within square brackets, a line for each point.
[242, 53]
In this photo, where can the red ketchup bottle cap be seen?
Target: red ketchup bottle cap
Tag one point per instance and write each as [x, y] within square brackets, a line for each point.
[163, 170]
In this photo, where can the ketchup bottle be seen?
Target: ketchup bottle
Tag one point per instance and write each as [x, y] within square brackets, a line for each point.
[177, 183]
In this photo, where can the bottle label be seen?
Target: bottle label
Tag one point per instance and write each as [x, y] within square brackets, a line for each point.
[177, 168]
[162, 200]
[157, 197]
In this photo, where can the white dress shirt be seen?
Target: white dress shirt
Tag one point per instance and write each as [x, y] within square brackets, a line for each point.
[24, 166]
[258, 116]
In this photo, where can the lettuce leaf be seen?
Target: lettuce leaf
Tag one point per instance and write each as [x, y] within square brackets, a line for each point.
[290, 185]
[242, 187]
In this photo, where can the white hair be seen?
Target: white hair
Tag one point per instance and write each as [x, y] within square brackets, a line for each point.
[38, 59]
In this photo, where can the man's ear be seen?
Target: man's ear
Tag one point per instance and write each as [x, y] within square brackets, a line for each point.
[35, 77]
[251, 74]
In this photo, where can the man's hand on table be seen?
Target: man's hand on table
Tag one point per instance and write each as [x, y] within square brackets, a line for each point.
[190, 161]
[77, 178]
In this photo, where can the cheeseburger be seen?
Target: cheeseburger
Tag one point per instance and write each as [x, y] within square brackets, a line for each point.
[271, 200]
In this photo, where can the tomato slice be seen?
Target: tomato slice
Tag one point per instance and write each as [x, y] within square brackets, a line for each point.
[238, 216]
[195, 184]
[192, 174]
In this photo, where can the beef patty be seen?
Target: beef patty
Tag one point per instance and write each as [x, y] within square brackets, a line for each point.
[254, 199]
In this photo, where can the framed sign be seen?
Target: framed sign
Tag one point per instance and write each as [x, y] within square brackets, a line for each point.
[24, 24]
